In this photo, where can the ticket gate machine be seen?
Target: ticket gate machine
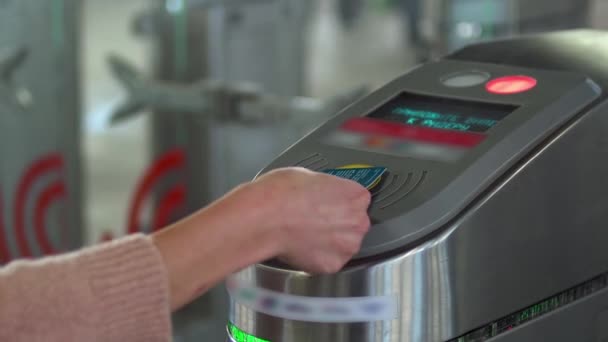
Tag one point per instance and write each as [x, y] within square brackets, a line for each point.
[491, 223]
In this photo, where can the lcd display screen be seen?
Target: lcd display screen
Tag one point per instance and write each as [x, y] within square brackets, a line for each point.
[442, 113]
[422, 127]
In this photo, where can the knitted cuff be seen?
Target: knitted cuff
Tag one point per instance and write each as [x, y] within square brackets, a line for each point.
[130, 283]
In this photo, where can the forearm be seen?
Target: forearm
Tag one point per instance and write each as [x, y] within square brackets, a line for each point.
[114, 292]
[200, 251]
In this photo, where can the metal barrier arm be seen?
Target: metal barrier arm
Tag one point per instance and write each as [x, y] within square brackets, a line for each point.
[297, 109]
[147, 94]
[242, 101]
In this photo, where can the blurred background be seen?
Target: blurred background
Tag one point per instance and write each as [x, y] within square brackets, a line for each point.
[119, 117]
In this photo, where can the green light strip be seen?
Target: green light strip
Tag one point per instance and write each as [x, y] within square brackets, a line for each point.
[239, 335]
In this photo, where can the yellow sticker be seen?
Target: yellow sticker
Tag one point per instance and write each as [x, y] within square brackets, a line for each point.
[356, 166]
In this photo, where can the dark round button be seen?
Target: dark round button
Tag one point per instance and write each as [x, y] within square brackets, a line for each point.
[464, 79]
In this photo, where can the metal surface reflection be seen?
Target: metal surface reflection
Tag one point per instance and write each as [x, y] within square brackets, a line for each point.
[423, 277]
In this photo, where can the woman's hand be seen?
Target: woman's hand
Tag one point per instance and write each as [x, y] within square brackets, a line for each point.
[312, 221]
[321, 219]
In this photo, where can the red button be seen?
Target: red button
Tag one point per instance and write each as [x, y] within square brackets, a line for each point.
[511, 85]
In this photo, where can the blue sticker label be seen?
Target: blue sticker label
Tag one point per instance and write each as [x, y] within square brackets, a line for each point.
[368, 177]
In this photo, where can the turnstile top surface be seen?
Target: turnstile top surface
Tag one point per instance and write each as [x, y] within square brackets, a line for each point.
[439, 166]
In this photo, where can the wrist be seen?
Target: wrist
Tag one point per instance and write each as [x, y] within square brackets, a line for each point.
[265, 215]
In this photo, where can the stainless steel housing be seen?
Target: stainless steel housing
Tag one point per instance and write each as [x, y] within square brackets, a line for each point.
[537, 231]
[524, 240]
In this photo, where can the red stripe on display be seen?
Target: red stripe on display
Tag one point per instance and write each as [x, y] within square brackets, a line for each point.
[33, 172]
[170, 161]
[4, 254]
[416, 133]
[51, 194]
[171, 201]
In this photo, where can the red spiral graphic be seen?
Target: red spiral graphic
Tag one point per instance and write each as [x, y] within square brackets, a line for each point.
[171, 161]
[171, 201]
[54, 192]
[4, 254]
[38, 169]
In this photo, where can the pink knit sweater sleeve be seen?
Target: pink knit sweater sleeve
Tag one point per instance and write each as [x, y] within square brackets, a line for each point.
[113, 292]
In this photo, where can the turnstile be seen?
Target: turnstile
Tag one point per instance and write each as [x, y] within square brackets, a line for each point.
[490, 223]
[40, 172]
